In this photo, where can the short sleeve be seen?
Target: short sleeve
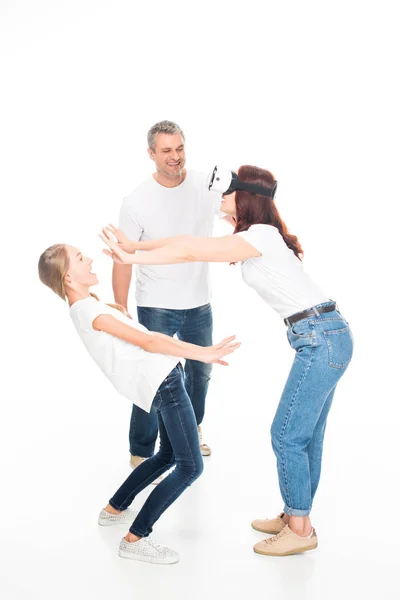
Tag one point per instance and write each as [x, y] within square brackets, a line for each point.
[88, 311]
[129, 221]
[255, 238]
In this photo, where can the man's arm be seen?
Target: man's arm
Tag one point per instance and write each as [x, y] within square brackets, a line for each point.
[122, 274]
[121, 281]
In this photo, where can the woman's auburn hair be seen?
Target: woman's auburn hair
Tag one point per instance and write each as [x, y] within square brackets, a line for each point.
[255, 208]
[53, 266]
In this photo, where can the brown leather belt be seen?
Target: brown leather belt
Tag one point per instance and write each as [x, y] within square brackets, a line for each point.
[308, 313]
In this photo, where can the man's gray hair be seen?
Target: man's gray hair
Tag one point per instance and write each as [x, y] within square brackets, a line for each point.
[162, 127]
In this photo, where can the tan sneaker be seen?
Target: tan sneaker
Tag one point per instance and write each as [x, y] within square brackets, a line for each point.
[269, 525]
[287, 542]
[137, 460]
[204, 449]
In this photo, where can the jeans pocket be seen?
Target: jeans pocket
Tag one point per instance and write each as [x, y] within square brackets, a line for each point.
[301, 329]
[157, 401]
[340, 347]
[176, 372]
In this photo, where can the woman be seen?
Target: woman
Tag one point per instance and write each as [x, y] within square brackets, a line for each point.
[271, 264]
[143, 366]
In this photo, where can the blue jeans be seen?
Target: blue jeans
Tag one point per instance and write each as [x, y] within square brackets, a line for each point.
[195, 327]
[324, 347]
[179, 444]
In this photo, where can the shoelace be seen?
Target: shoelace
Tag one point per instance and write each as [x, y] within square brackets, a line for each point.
[153, 544]
[276, 538]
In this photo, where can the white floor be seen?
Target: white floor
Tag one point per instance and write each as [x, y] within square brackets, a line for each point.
[52, 546]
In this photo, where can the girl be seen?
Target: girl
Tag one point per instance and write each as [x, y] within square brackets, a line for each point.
[271, 264]
[144, 367]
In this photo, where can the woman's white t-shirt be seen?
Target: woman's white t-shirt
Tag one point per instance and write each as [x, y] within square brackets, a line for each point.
[134, 372]
[278, 275]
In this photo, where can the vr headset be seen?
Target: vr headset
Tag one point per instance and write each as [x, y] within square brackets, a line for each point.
[226, 182]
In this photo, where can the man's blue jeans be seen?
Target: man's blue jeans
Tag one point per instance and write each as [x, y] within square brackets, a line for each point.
[179, 445]
[324, 347]
[195, 327]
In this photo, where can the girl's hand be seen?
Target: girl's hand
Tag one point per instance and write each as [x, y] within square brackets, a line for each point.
[214, 354]
[224, 342]
[123, 241]
[117, 253]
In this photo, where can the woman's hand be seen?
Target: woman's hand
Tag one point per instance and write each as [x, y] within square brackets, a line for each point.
[214, 354]
[118, 255]
[123, 241]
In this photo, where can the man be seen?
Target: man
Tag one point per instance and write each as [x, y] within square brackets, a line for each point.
[171, 299]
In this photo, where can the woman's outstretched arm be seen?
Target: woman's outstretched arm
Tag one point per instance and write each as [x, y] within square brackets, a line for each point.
[180, 249]
[131, 246]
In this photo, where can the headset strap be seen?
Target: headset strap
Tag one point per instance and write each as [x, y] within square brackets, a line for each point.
[254, 188]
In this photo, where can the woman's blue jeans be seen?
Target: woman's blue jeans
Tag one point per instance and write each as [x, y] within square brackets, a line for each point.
[179, 445]
[324, 347]
[194, 326]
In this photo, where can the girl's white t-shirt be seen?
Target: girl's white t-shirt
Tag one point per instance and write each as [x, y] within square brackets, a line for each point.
[135, 373]
[278, 275]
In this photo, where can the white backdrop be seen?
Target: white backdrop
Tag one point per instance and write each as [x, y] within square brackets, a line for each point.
[308, 90]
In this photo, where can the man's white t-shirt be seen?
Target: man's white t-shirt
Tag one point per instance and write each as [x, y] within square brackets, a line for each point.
[153, 211]
[278, 275]
[135, 373]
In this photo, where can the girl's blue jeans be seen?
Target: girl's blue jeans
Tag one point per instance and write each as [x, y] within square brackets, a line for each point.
[179, 445]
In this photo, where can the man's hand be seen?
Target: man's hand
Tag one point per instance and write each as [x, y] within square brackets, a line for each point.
[126, 313]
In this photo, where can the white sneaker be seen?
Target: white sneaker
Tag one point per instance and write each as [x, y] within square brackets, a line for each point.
[126, 516]
[147, 551]
[137, 460]
[204, 448]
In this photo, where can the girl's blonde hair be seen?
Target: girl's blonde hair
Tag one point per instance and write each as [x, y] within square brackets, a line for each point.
[53, 266]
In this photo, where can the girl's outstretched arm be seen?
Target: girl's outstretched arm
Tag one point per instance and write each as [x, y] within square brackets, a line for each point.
[161, 344]
[182, 344]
